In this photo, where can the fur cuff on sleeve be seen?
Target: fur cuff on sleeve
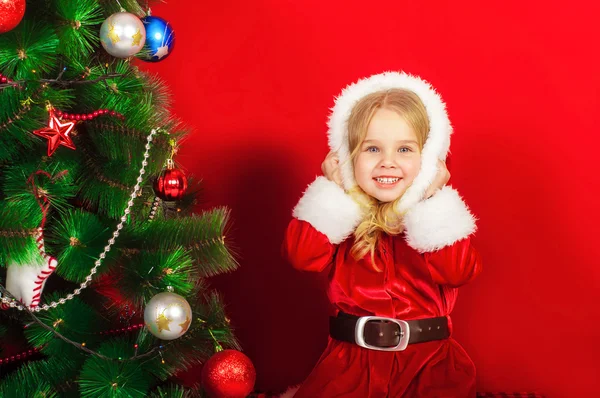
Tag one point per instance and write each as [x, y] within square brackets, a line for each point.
[329, 210]
[438, 221]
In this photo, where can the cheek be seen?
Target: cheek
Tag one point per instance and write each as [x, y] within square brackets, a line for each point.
[413, 167]
[362, 169]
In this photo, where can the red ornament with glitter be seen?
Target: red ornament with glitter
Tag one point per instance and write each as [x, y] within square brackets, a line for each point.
[11, 13]
[171, 184]
[228, 374]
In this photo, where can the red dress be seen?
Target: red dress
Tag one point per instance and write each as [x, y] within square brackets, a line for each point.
[412, 285]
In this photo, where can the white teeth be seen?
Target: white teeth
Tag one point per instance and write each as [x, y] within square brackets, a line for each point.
[385, 180]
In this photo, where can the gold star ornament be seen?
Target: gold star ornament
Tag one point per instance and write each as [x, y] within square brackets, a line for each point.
[163, 323]
[137, 38]
[112, 35]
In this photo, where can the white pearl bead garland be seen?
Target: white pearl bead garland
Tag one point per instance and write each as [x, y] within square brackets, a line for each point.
[97, 263]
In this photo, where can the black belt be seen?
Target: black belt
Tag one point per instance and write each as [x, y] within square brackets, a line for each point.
[386, 334]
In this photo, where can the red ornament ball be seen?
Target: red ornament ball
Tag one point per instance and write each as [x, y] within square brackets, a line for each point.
[11, 13]
[170, 185]
[228, 374]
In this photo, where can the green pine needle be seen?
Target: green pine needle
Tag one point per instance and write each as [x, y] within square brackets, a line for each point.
[28, 51]
[44, 378]
[27, 381]
[75, 320]
[12, 136]
[172, 391]
[78, 33]
[58, 188]
[212, 316]
[22, 112]
[78, 239]
[146, 274]
[17, 226]
[130, 83]
[126, 146]
[162, 96]
[154, 365]
[197, 345]
[204, 236]
[102, 378]
[79, 68]
[40, 379]
[131, 6]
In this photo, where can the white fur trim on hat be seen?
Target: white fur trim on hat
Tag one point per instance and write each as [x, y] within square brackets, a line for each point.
[438, 221]
[437, 144]
[328, 209]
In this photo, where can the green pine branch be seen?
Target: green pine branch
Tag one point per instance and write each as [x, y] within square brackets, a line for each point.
[173, 391]
[101, 378]
[54, 62]
[77, 27]
[145, 274]
[78, 238]
[27, 381]
[204, 235]
[75, 320]
[29, 50]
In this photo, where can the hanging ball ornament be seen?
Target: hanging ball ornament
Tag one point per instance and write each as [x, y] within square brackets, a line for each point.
[160, 38]
[168, 316]
[228, 374]
[11, 13]
[122, 35]
[171, 184]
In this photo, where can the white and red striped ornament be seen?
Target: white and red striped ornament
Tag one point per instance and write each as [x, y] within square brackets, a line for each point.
[26, 281]
[50, 264]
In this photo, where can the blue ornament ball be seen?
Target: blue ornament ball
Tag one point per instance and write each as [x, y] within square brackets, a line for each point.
[160, 38]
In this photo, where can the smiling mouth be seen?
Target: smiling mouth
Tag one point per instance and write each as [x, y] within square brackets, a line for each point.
[387, 180]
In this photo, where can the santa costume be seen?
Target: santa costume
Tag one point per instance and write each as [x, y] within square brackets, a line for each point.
[410, 352]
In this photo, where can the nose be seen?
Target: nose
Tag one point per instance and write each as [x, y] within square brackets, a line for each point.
[388, 161]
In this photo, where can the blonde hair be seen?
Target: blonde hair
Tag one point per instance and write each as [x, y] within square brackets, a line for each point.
[381, 217]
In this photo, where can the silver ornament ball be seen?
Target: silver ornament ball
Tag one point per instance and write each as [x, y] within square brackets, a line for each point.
[122, 34]
[168, 316]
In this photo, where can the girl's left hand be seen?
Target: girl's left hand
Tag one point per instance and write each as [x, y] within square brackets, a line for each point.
[441, 178]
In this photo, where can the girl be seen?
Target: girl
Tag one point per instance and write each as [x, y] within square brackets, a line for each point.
[395, 256]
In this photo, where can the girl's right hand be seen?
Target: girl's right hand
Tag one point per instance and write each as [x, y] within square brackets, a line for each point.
[331, 168]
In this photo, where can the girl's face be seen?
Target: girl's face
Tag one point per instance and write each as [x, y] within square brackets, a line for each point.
[389, 159]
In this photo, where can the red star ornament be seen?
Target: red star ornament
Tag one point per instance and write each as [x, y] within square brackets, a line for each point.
[57, 134]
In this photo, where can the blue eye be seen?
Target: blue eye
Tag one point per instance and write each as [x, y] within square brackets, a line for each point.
[405, 149]
[372, 149]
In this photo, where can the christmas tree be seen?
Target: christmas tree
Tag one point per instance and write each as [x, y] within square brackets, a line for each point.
[103, 264]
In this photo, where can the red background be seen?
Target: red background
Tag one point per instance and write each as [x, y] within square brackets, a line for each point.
[255, 80]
